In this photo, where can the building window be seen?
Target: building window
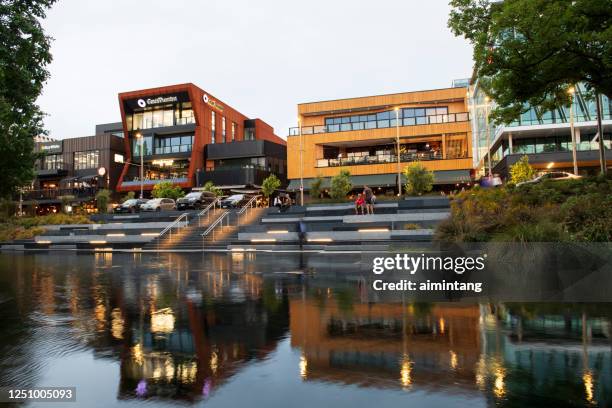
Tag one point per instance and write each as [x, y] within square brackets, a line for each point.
[118, 158]
[233, 131]
[174, 144]
[86, 160]
[212, 126]
[53, 162]
[168, 115]
[249, 134]
[223, 131]
[147, 146]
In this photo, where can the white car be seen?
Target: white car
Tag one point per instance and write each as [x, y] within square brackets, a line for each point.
[553, 175]
[232, 201]
[158, 204]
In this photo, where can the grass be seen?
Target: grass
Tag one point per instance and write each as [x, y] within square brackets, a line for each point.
[13, 228]
[552, 211]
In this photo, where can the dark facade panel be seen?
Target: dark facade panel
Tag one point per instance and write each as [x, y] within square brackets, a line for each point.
[246, 148]
[224, 177]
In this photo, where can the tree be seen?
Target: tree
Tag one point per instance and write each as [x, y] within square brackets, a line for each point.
[340, 185]
[102, 199]
[24, 56]
[210, 187]
[521, 171]
[166, 189]
[129, 196]
[316, 187]
[419, 180]
[530, 52]
[269, 185]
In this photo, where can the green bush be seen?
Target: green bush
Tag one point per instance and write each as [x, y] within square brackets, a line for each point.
[166, 189]
[521, 171]
[129, 196]
[316, 187]
[269, 185]
[340, 185]
[419, 180]
[102, 200]
[211, 188]
[569, 210]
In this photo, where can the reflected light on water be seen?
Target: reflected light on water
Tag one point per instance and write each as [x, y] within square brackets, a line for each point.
[481, 372]
[500, 386]
[162, 321]
[442, 325]
[137, 355]
[589, 386]
[117, 324]
[453, 360]
[303, 367]
[406, 372]
[214, 362]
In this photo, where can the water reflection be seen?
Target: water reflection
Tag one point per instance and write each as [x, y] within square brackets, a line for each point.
[183, 327]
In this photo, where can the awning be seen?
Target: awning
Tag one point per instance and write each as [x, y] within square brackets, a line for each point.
[372, 180]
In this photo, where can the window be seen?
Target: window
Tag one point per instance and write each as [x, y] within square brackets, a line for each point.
[174, 144]
[233, 131]
[223, 132]
[249, 134]
[118, 158]
[53, 162]
[86, 160]
[213, 119]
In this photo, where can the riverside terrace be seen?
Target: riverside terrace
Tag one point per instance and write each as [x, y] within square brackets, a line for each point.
[324, 226]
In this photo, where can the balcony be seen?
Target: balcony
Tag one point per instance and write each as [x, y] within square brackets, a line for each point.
[382, 124]
[386, 158]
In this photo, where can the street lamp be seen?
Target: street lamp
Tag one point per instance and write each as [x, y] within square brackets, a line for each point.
[571, 91]
[397, 139]
[488, 136]
[141, 142]
[301, 161]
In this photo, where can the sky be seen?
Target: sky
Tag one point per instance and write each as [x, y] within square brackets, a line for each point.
[260, 57]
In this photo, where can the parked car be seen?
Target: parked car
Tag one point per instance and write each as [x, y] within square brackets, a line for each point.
[195, 200]
[553, 175]
[158, 204]
[232, 201]
[130, 206]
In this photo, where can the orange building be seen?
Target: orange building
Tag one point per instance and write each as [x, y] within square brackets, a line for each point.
[360, 135]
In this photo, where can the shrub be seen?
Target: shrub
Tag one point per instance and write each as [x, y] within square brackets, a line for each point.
[269, 185]
[521, 171]
[166, 189]
[316, 187]
[129, 196]
[210, 187]
[102, 199]
[340, 185]
[419, 180]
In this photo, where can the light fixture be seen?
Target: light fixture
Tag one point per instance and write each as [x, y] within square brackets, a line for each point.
[237, 249]
[263, 240]
[571, 90]
[320, 240]
[95, 241]
[373, 230]
[149, 234]
[43, 242]
[118, 234]
[550, 165]
[278, 232]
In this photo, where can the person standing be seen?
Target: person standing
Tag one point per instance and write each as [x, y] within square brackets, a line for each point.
[368, 194]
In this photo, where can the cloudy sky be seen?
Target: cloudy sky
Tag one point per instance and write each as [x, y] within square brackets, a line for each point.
[261, 57]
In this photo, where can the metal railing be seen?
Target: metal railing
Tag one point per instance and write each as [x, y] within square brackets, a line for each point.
[382, 123]
[176, 224]
[218, 222]
[246, 208]
[387, 158]
[206, 211]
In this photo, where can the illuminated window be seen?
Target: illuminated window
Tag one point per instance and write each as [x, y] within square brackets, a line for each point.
[212, 126]
[233, 131]
[86, 160]
[118, 158]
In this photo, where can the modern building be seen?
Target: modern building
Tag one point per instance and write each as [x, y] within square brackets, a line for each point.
[187, 136]
[360, 135]
[72, 170]
[544, 136]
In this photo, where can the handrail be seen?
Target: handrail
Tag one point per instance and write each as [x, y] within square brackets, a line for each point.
[249, 204]
[214, 225]
[206, 210]
[183, 216]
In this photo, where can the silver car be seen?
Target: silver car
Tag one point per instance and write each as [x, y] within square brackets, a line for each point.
[158, 204]
[553, 175]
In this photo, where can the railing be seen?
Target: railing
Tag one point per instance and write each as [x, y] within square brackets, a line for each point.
[246, 208]
[56, 194]
[206, 211]
[218, 222]
[176, 224]
[386, 158]
[380, 124]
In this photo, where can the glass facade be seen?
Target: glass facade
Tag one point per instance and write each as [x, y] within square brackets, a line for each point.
[52, 162]
[86, 160]
[386, 119]
[161, 116]
[147, 146]
[249, 133]
[233, 131]
[173, 144]
[223, 130]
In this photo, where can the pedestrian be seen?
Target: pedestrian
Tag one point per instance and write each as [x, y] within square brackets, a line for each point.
[359, 202]
[368, 194]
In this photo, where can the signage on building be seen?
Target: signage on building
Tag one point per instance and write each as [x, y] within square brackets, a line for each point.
[156, 100]
[210, 101]
[51, 147]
